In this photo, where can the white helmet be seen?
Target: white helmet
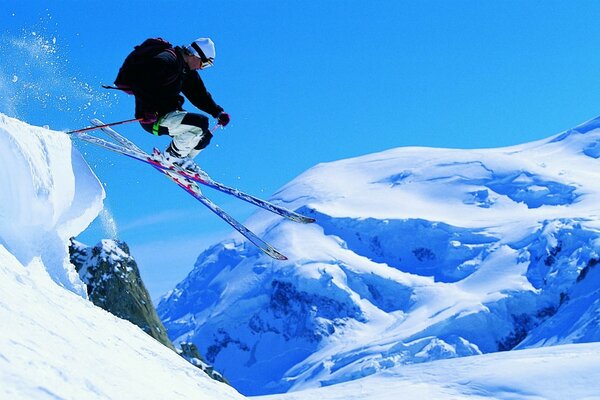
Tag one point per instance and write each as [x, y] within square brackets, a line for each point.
[203, 48]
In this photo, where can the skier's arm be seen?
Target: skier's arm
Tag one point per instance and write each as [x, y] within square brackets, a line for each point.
[197, 94]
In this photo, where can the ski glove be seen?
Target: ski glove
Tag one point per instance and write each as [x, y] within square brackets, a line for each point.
[149, 118]
[223, 118]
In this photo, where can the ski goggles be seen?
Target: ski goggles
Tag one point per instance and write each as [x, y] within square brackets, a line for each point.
[206, 63]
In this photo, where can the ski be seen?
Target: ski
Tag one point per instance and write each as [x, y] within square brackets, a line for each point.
[203, 179]
[192, 188]
[128, 148]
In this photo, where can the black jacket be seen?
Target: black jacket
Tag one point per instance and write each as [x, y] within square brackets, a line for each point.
[157, 82]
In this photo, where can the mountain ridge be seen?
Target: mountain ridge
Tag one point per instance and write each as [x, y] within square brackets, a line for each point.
[436, 253]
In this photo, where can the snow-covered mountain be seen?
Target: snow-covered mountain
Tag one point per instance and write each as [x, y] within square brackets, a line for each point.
[54, 343]
[418, 254]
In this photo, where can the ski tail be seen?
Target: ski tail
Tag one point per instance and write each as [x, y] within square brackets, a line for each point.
[118, 137]
[117, 148]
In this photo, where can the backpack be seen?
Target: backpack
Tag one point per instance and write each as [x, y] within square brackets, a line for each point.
[126, 78]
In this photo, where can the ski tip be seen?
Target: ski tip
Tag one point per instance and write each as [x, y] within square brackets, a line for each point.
[302, 219]
[271, 252]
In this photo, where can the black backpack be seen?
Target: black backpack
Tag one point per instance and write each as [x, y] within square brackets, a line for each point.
[129, 70]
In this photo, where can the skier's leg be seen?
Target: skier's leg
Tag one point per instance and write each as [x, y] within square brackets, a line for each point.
[204, 141]
[202, 121]
[188, 130]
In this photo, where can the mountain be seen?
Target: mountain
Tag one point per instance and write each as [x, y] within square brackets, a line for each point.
[54, 343]
[418, 254]
[113, 283]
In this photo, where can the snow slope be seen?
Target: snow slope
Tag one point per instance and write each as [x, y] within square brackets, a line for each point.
[561, 372]
[419, 254]
[54, 343]
[48, 194]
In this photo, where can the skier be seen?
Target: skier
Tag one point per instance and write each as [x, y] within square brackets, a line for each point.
[157, 73]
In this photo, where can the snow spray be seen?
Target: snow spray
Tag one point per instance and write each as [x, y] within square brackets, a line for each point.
[109, 225]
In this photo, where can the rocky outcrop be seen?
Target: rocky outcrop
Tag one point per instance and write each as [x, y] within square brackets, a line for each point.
[190, 352]
[114, 284]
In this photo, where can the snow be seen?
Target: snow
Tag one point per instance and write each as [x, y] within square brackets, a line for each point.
[405, 292]
[562, 372]
[59, 346]
[49, 195]
[54, 343]
[418, 254]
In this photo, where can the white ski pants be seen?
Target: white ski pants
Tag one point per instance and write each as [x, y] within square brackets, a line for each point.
[186, 137]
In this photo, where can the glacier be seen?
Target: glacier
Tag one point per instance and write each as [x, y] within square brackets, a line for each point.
[418, 255]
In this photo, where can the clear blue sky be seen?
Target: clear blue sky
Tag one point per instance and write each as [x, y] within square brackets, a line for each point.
[305, 82]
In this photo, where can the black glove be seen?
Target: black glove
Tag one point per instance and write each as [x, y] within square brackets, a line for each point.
[223, 118]
[149, 118]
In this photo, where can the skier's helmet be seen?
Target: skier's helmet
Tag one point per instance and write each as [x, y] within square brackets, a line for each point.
[203, 48]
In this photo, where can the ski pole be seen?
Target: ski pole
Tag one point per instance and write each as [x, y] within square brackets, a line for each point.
[214, 128]
[91, 128]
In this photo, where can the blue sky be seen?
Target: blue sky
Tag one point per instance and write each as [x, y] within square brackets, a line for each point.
[304, 82]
